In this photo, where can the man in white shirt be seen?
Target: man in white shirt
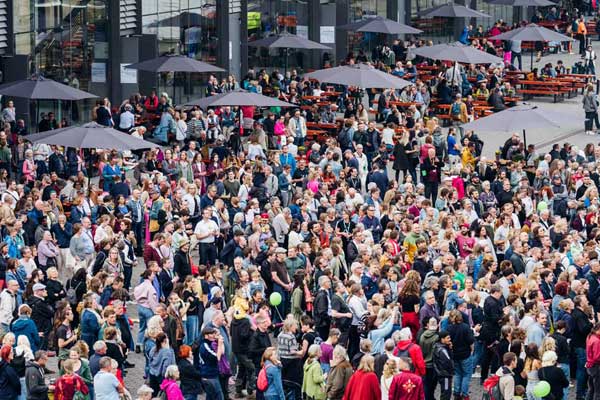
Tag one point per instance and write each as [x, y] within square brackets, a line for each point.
[126, 119]
[206, 232]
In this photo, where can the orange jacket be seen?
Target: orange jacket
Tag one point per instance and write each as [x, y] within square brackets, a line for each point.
[581, 29]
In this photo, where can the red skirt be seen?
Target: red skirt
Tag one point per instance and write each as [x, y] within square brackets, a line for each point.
[411, 320]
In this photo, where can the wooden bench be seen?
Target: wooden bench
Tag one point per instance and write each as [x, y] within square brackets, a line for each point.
[542, 92]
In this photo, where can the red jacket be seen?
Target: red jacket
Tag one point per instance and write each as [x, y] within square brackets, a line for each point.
[151, 254]
[406, 386]
[592, 350]
[415, 354]
[363, 386]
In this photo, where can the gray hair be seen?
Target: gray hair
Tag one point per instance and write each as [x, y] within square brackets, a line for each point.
[99, 345]
[322, 280]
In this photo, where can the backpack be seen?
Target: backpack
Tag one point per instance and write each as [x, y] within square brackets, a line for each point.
[162, 395]
[406, 355]
[72, 293]
[455, 110]
[262, 382]
[491, 388]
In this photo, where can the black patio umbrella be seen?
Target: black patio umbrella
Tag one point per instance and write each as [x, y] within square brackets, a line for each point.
[380, 25]
[239, 97]
[288, 41]
[456, 52]
[522, 117]
[360, 75]
[174, 63]
[533, 33]
[91, 136]
[523, 3]
[452, 10]
[40, 88]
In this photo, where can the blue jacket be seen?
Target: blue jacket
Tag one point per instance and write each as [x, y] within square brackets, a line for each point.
[379, 335]
[160, 360]
[63, 236]
[26, 327]
[275, 388]
[90, 327]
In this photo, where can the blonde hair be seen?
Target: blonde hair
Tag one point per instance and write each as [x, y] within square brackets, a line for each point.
[340, 353]
[367, 363]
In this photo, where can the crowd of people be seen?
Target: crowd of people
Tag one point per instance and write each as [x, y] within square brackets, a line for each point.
[388, 260]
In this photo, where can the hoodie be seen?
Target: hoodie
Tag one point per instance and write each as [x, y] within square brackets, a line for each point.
[171, 389]
[427, 340]
[34, 378]
[406, 348]
[442, 360]
[506, 383]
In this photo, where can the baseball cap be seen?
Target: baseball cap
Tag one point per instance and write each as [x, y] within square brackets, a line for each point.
[39, 286]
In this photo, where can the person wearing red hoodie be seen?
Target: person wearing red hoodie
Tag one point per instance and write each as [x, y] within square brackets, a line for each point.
[363, 385]
[407, 348]
[592, 352]
[406, 385]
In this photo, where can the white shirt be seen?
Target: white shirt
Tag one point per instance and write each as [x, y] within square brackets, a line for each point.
[126, 120]
[203, 227]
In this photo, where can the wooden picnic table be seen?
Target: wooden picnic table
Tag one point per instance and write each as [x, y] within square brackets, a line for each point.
[554, 88]
[403, 104]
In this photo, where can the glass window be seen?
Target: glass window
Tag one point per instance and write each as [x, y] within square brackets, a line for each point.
[361, 9]
[186, 26]
[271, 17]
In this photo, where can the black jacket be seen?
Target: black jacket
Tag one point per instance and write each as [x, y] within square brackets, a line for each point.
[241, 334]
[181, 265]
[493, 313]
[432, 170]
[562, 348]
[56, 292]
[557, 379]
[190, 378]
[443, 363]
[41, 314]
[10, 386]
[258, 344]
[462, 339]
[321, 308]
[34, 379]
[166, 284]
[580, 328]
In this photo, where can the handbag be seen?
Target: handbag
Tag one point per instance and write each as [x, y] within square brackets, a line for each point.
[154, 226]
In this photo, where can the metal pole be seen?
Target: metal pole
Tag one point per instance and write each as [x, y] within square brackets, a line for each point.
[524, 139]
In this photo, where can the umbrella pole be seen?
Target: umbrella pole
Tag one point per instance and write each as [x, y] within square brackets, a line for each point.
[524, 139]
[532, 58]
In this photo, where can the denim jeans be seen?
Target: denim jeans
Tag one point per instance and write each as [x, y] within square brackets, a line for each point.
[476, 357]
[191, 329]
[144, 314]
[581, 374]
[565, 368]
[212, 387]
[463, 370]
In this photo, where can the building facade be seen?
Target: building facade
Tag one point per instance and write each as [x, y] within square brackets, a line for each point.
[86, 43]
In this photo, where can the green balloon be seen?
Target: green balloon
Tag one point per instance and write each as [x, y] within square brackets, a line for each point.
[541, 389]
[275, 299]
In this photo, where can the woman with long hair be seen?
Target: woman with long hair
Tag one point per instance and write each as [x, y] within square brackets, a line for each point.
[530, 369]
[409, 299]
[161, 356]
[272, 366]
[364, 385]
